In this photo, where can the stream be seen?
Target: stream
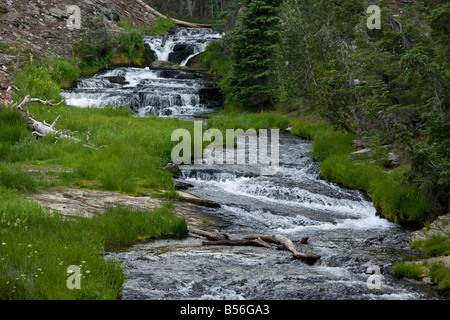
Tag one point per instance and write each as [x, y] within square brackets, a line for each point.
[342, 225]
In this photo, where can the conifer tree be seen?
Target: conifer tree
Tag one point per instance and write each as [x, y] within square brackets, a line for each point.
[253, 51]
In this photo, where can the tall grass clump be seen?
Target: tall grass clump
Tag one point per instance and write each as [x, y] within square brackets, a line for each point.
[63, 71]
[411, 271]
[36, 81]
[441, 275]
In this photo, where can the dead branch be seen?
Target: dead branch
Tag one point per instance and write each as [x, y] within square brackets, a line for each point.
[253, 243]
[166, 35]
[207, 234]
[260, 240]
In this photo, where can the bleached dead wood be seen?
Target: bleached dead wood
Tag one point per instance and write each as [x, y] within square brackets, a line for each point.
[41, 129]
[210, 235]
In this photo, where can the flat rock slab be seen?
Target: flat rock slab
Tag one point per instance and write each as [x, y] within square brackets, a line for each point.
[441, 226]
[88, 203]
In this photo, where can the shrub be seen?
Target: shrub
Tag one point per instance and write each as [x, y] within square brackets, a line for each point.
[131, 44]
[63, 71]
[37, 82]
[96, 47]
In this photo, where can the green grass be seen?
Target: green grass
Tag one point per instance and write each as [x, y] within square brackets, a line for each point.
[37, 247]
[172, 194]
[411, 271]
[440, 275]
[162, 26]
[132, 161]
[257, 121]
[434, 246]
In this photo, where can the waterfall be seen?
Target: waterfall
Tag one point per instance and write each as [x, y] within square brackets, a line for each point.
[182, 44]
[173, 92]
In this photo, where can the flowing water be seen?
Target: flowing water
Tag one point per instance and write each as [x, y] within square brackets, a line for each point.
[342, 225]
[172, 92]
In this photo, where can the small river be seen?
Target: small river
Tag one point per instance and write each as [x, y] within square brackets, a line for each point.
[342, 225]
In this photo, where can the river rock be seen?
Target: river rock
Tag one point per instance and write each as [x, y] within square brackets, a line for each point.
[441, 226]
[174, 169]
[180, 53]
[58, 13]
[117, 79]
[393, 159]
[359, 143]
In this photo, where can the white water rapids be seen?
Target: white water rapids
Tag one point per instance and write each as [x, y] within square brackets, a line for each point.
[341, 224]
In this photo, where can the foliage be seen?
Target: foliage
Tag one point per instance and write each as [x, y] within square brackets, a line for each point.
[389, 84]
[254, 43]
[36, 81]
[441, 275]
[97, 45]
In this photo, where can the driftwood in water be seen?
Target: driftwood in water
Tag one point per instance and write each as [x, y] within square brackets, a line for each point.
[260, 240]
[165, 36]
[210, 235]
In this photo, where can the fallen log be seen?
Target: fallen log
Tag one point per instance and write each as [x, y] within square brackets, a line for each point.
[262, 240]
[207, 234]
[254, 243]
[178, 22]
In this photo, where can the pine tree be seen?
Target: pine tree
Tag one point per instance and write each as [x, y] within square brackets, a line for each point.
[255, 41]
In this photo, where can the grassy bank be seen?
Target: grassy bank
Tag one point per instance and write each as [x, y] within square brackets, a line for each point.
[394, 198]
[37, 247]
[435, 246]
[132, 161]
